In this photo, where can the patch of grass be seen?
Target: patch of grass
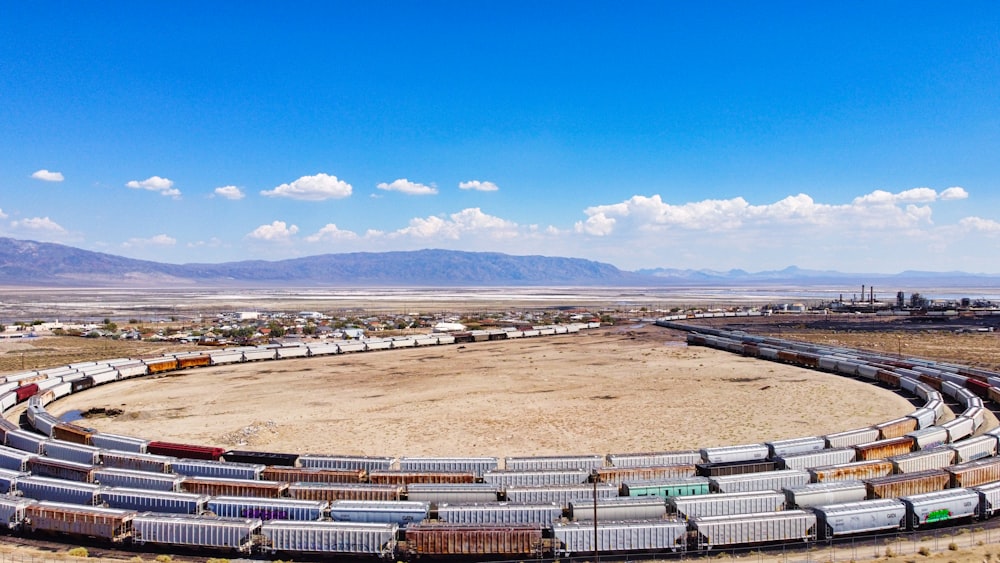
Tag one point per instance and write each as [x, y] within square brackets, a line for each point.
[78, 552]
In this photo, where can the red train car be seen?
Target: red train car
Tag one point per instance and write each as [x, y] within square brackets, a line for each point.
[978, 387]
[25, 391]
[187, 451]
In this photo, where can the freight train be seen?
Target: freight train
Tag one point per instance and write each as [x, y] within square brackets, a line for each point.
[905, 474]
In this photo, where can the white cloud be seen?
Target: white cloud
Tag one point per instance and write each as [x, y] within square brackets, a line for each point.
[478, 186]
[330, 232]
[468, 221]
[163, 186]
[405, 186]
[47, 176]
[277, 231]
[954, 192]
[878, 210]
[40, 224]
[213, 242]
[156, 240]
[312, 188]
[230, 192]
[2, 214]
[979, 224]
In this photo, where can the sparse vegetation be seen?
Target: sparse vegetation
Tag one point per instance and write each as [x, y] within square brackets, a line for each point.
[78, 552]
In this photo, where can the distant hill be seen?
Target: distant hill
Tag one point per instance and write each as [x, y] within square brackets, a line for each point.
[36, 263]
[29, 263]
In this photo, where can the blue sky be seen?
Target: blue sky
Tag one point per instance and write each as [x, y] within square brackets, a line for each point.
[856, 136]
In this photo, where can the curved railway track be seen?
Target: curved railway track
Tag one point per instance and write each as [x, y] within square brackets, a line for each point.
[974, 466]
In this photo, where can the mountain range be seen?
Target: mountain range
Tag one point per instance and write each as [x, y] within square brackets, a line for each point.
[30, 263]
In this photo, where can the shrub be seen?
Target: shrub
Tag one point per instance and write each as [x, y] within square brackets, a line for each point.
[78, 552]
[925, 551]
[952, 546]
[163, 558]
[889, 552]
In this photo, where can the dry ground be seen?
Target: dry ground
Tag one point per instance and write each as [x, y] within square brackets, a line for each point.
[599, 391]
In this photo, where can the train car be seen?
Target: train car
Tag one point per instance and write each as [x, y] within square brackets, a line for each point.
[940, 506]
[577, 538]
[854, 471]
[235, 534]
[654, 459]
[561, 495]
[265, 458]
[726, 504]
[765, 481]
[400, 512]
[131, 479]
[137, 461]
[937, 458]
[395, 477]
[339, 538]
[117, 442]
[882, 449]
[895, 486]
[144, 500]
[367, 463]
[109, 524]
[896, 428]
[753, 529]
[851, 438]
[539, 463]
[58, 490]
[542, 477]
[184, 451]
[618, 508]
[345, 491]
[971, 449]
[667, 487]
[12, 511]
[267, 509]
[734, 454]
[817, 459]
[543, 514]
[818, 494]
[208, 468]
[475, 465]
[193, 360]
[622, 474]
[795, 446]
[929, 437]
[469, 540]
[233, 487]
[959, 428]
[68, 432]
[974, 473]
[161, 364]
[69, 451]
[860, 517]
[311, 475]
[452, 493]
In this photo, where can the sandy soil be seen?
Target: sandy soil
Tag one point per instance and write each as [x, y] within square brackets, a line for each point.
[605, 390]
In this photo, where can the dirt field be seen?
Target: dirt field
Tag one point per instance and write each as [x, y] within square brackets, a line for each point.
[600, 391]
